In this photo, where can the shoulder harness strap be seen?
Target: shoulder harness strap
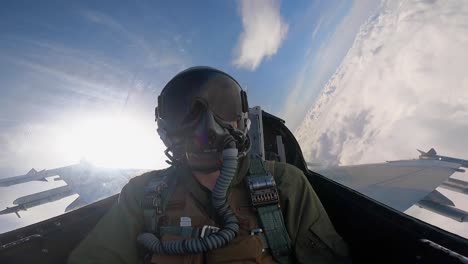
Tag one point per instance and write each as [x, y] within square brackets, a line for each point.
[265, 199]
[156, 196]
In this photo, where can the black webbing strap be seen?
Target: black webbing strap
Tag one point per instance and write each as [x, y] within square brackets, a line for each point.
[157, 194]
[264, 196]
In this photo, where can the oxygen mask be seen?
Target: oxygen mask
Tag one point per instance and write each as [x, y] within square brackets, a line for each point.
[208, 138]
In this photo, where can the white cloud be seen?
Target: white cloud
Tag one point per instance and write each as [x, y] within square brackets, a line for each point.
[264, 31]
[321, 63]
[402, 86]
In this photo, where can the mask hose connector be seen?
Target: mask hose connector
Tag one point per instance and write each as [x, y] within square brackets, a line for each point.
[214, 240]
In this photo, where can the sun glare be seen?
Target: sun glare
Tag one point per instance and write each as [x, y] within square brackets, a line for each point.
[113, 142]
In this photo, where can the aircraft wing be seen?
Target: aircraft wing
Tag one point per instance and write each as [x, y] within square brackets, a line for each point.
[404, 183]
[399, 184]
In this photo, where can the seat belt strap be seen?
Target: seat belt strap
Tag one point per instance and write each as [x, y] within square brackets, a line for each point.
[265, 199]
[157, 194]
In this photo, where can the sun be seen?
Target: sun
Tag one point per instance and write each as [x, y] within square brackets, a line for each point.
[113, 142]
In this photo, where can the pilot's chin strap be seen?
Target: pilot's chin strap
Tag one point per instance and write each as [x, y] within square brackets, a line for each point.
[265, 199]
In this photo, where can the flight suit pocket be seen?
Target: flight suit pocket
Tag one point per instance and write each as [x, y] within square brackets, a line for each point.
[243, 249]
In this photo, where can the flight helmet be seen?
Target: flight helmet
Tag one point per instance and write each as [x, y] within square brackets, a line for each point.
[201, 112]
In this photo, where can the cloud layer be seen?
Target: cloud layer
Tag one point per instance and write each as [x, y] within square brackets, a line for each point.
[319, 65]
[402, 86]
[264, 30]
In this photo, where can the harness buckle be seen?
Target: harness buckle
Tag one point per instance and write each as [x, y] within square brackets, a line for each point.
[256, 231]
[263, 190]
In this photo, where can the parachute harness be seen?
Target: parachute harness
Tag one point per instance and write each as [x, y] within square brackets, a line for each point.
[157, 194]
[265, 199]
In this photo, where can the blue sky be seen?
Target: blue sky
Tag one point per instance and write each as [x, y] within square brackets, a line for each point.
[63, 60]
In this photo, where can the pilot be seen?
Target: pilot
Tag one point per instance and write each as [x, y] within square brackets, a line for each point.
[216, 203]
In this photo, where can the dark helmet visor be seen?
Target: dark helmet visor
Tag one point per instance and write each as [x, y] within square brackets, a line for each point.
[181, 97]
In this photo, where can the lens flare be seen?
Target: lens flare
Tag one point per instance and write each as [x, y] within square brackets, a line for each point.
[112, 142]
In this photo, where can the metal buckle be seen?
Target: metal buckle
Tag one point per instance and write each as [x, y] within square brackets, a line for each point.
[256, 231]
[207, 230]
[263, 190]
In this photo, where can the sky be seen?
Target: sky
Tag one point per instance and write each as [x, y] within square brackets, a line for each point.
[79, 80]
[356, 81]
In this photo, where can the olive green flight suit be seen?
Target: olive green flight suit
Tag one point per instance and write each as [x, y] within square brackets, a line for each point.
[314, 240]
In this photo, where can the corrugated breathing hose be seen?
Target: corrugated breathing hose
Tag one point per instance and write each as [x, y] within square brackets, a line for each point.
[230, 225]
